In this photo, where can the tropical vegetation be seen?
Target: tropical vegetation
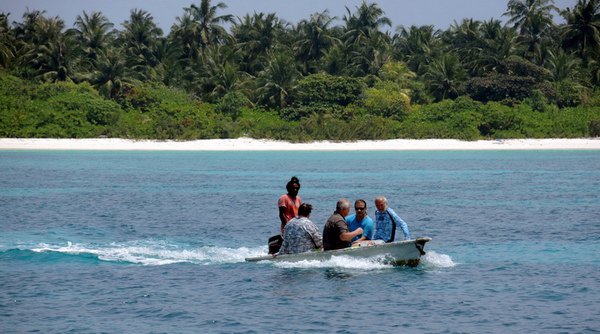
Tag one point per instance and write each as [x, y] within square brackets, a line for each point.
[354, 77]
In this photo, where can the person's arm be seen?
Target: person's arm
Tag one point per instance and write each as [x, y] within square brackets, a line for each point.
[363, 238]
[369, 228]
[315, 235]
[282, 217]
[402, 224]
[348, 236]
[283, 248]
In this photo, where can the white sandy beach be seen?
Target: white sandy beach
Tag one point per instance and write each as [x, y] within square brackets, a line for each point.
[248, 144]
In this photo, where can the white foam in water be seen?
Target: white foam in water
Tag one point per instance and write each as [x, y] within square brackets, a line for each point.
[157, 253]
[344, 262]
[433, 259]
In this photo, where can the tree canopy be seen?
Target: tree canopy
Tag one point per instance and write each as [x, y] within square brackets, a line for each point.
[321, 70]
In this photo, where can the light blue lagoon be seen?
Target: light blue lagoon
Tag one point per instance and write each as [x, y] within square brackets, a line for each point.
[155, 242]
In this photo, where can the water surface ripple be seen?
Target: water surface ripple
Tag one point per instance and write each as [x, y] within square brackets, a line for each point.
[154, 242]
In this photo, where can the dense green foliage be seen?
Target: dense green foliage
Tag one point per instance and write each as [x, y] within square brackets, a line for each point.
[313, 80]
[53, 110]
[155, 111]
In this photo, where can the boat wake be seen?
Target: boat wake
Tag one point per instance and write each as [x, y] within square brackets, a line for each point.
[430, 260]
[153, 253]
[342, 262]
[157, 253]
[435, 260]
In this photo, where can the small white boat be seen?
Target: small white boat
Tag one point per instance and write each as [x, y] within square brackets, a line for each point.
[407, 252]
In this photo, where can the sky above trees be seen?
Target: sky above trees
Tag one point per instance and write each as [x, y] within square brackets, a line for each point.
[441, 13]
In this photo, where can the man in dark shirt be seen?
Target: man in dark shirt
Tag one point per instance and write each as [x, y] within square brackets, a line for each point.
[335, 232]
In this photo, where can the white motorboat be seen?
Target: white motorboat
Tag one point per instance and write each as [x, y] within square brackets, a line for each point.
[407, 252]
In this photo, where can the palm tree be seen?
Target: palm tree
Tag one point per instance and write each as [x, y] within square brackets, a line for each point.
[316, 38]
[256, 36]
[138, 37]
[45, 49]
[523, 12]
[562, 65]
[444, 76]
[363, 39]
[367, 21]
[336, 60]
[7, 42]
[182, 33]
[533, 20]
[111, 72]
[466, 40]
[207, 29]
[582, 28]
[376, 52]
[54, 60]
[277, 81]
[216, 74]
[26, 43]
[25, 31]
[417, 46]
[496, 44]
[92, 33]
[227, 78]
[169, 64]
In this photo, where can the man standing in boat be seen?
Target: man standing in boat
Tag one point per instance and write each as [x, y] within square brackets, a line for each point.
[362, 220]
[335, 232]
[386, 220]
[301, 235]
[289, 203]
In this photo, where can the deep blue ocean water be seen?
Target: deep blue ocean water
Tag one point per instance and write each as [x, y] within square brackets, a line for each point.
[153, 242]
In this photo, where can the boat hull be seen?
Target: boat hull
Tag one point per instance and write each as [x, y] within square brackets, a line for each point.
[407, 252]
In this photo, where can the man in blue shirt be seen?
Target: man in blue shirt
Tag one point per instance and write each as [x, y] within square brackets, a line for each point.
[360, 219]
[386, 220]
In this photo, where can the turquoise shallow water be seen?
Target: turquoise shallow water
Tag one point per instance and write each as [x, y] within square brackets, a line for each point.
[155, 242]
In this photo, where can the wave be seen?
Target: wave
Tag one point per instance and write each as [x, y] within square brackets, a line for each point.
[435, 260]
[156, 253]
[431, 260]
[341, 262]
[151, 253]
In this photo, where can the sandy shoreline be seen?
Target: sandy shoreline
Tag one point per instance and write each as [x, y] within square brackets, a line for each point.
[247, 144]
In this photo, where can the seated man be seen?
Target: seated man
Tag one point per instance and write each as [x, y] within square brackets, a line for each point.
[362, 220]
[301, 235]
[335, 232]
[386, 220]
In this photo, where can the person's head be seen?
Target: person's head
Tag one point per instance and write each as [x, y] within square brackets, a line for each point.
[343, 207]
[304, 210]
[360, 207]
[293, 186]
[381, 203]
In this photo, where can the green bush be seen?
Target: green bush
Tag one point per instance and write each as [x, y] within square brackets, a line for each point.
[325, 89]
[568, 94]
[258, 123]
[154, 111]
[538, 101]
[518, 66]
[231, 104]
[165, 113]
[298, 112]
[458, 119]
[497, 87]
[500, 121]
[594, 128]
[327, 127]
[53, 110]
[387, 100]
